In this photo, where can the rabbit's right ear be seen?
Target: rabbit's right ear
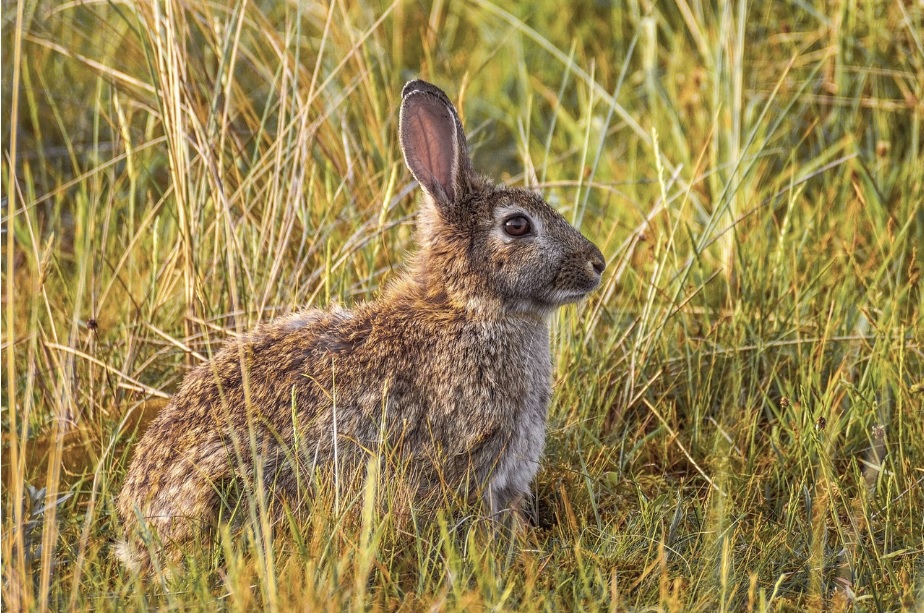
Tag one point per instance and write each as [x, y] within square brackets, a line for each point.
[433, 142]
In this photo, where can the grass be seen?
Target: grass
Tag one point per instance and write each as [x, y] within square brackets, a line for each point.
[737, 422]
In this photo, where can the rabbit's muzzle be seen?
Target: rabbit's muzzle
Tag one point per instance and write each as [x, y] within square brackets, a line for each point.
[579, 274]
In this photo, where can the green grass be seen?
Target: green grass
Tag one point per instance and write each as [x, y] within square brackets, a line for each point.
[738, 421]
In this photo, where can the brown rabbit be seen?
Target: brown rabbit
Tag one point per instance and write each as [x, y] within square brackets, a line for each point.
[451, 365]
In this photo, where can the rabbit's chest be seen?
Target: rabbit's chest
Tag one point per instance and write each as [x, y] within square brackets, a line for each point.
[487, 401]
[520, 452]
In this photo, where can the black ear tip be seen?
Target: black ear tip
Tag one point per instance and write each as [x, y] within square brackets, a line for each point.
[418, 85]
[411, 87]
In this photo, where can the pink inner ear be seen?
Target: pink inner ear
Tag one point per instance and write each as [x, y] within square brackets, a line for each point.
[429, 143]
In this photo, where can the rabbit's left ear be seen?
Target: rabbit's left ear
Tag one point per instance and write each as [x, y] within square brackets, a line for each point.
[433, 143]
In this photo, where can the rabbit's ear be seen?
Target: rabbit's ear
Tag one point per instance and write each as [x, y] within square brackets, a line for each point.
[433, 142]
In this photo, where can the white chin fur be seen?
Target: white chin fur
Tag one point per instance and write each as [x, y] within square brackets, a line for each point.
[562, 297]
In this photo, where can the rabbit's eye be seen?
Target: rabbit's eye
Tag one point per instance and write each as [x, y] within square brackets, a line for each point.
[517, 226]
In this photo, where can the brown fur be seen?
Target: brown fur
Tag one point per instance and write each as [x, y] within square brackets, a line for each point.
[450, 367]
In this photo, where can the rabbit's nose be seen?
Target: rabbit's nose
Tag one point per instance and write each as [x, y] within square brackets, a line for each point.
[595, 261]
[598, 265]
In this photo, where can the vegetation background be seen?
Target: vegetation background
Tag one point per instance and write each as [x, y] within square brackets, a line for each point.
[737, 422]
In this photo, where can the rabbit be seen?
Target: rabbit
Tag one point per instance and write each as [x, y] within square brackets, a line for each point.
[451, 365]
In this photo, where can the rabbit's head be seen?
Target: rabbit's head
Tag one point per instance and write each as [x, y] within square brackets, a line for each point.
[485, 246]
